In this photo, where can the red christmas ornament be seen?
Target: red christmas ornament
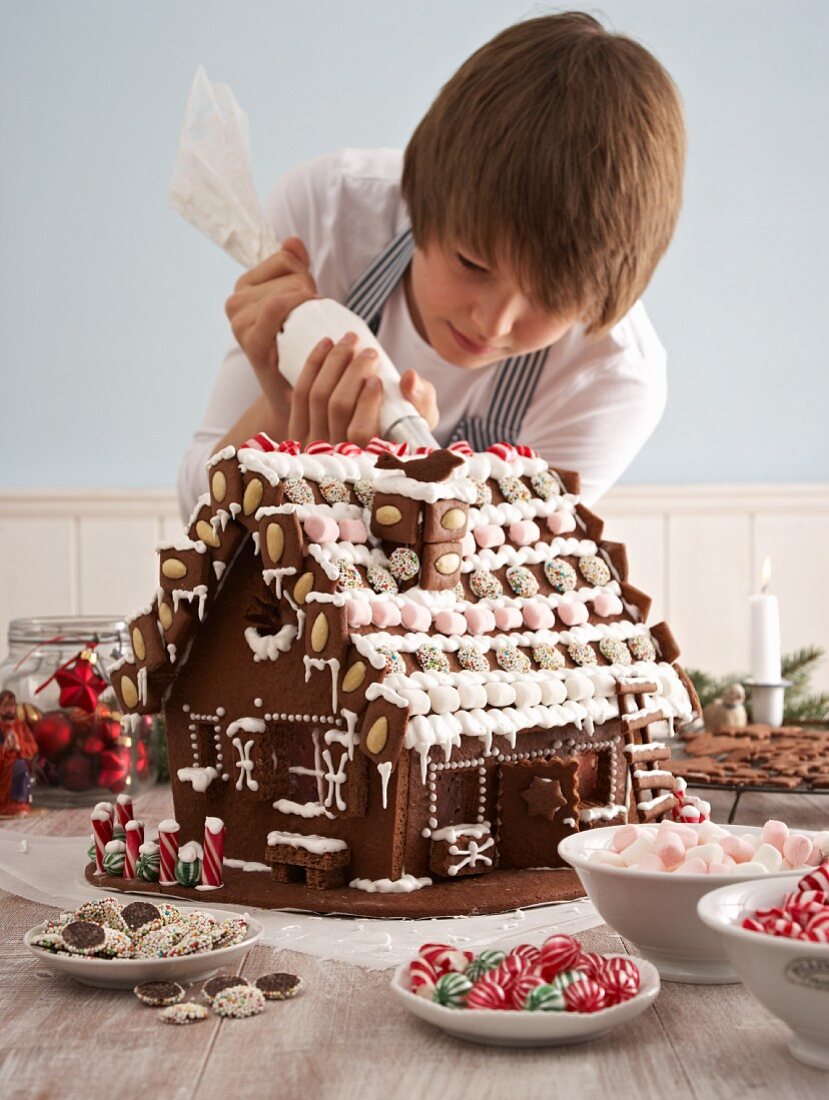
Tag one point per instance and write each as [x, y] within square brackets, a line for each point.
[92, 745]
[115, 766]
[53, 734]
[107, 730]
[80, 684]
[77, 773]
[142, 758]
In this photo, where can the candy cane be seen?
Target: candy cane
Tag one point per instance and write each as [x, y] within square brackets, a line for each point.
[123, 809]
[214, 850]
[168, 851]
[102, 828]
[134, 840]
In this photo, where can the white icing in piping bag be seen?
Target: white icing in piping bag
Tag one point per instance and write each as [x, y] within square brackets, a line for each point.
[212, 187]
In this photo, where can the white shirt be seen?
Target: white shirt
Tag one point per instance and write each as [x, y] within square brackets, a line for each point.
[596, 403]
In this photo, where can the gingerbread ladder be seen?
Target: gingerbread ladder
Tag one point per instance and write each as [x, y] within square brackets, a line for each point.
[652, 786]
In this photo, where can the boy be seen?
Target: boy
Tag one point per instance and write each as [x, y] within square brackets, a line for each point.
[500, 261]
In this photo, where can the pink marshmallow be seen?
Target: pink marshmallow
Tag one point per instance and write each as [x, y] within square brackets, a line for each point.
[650, 862]
[774, 833]
[624, 837]
[480, 620]
[450, 622]
[358, 613]
[573, 612]
[722, 868]
[321, 528]
[797, 849]
[489, 535]
[508, 618]
[416, 617]
[353, 530]
[607, 603]
[524, 532]
[694, 866]
[539, 616]
[385, 613]
[686, 834]
[815, 856]
[468, 546]
[670, 849]
[559, 523]
[737, 848]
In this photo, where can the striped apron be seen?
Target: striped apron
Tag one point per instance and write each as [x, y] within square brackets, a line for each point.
[514, 380]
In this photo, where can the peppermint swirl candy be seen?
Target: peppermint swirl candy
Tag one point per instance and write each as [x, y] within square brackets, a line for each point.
[114, 856]
[594, 570]
[584, 995]
[485, 586]
[615, 651]
[148, 866]
[642, 647]
[545, 485]
[451, 989]
[333, 491]
[522, 582]
[90, 851]
[545, 998]
[188, 873]
[118, 831]
[546, 656]
[472, 659]
[561, 575]
[565, 978]
[483, 963]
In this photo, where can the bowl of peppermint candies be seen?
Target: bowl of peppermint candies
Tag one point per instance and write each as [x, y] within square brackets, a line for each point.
[551, 995]
[776, 934]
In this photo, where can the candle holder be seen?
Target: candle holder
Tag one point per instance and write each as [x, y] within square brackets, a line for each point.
[767, 700]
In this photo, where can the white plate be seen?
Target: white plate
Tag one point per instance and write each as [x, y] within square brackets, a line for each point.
[127, 973]
[504, 1028]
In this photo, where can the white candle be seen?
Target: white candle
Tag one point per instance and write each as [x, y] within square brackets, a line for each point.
[765, 632]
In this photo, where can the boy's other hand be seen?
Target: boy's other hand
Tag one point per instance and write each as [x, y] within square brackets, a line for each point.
[338, 395]
[261, 300]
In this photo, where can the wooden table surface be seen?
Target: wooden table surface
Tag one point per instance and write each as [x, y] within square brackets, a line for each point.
[346, 1036]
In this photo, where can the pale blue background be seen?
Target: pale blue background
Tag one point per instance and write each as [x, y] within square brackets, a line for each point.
[103, 287]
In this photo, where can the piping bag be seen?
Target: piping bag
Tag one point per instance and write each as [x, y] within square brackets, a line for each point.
[212, 187]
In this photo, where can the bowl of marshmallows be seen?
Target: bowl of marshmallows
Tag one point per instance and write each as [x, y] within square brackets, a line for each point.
[646, 880]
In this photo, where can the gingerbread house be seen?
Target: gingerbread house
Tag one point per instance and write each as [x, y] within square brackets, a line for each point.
[386, 672]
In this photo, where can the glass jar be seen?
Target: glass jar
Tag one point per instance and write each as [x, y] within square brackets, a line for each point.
[62, 739]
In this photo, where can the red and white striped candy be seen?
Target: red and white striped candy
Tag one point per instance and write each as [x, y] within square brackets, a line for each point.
[782, 927]
[259, 442]
[620, 979]
[167, 851]
[590, 963]
[818, 926]
[559, 953]
[348, 449]
[424, 450]
[289, 447]
[527, 952]
[214, 852]
[522, 986]
[378, 446]
[816, 880]
[585, 995]
[134, 838]
[506, 451]
[444, 957]
[422, 977]
[487, 993]
[526, 452]
[102, 829]
[123, 810]
[319, 447]
[461, 447]
[752, 925]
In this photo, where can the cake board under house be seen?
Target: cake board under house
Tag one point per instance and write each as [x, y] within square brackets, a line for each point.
[400, 680]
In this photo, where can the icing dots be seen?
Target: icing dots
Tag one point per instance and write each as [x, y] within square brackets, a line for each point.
[298, 491]
[404, 563]
[485, 586]
[511, 659]
[581, 653]
[513, 489]
[615, 651]
[333, 490]
[364, 492]
[642, 648]
[483, 493]
[547, 656]
[472, 659]
[594, 570]
[544, 485]
[381, 580]
[561, 575]
[349, 576]
[394, 662]
[522, 582]
[432, 659]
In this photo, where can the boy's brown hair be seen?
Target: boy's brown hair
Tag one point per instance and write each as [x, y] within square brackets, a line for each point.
[557, 148]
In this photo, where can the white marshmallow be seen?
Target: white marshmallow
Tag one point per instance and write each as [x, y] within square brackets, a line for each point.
[767, 856]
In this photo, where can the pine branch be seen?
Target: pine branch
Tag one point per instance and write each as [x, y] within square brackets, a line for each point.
[807, 708]
[801, 662]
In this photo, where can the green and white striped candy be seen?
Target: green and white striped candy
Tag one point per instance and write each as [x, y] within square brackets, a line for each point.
[451, 989]
[565, 978]
[188, 874]
[148, 866]
[544, 998]
[114, 862]
[481, 964]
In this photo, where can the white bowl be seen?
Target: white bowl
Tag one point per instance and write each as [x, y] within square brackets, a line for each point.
[657, 910]
[127, 973]
[788, 977]
[504, 1028]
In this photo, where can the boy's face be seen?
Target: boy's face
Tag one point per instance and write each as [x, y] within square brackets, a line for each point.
[474, 314]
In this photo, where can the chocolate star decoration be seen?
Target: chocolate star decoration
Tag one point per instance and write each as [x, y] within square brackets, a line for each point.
[265, 613]
[543, 798]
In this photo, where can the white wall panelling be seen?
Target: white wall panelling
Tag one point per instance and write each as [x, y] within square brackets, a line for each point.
[696, 549]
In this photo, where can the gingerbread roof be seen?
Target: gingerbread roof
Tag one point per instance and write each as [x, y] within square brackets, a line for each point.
[470, 591]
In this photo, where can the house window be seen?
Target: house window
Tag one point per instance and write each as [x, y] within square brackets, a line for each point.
[305, 769]
[594, 773]
[458, 796]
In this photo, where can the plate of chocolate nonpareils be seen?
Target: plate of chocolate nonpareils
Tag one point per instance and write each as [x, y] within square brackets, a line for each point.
[550, 995]
[106, 943]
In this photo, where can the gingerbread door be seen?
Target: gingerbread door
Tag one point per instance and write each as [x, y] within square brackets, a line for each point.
[538, 807]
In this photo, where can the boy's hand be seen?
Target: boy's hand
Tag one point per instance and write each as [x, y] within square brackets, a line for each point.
[262, 299]
[338, 395]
